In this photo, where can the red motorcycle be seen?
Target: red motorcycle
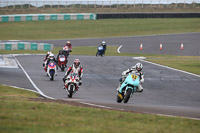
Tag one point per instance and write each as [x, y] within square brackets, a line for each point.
[62, 62]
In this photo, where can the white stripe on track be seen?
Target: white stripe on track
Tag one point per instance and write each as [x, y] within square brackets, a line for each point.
[119, 49]
[40, 92]
[170, 68]
[20, 88]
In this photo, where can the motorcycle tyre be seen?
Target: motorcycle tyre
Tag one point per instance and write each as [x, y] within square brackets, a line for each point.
[62, 68]
[127, 95]
[52, 77]
[119, 100]
[70, 91]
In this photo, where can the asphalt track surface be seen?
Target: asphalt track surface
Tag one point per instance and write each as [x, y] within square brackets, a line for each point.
[166, 91]
[151, 44]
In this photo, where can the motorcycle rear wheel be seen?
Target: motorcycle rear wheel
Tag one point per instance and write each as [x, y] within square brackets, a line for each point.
[119, 99]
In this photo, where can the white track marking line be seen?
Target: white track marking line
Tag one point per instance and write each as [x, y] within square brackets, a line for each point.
[170, 68]
[41, 93]
[20, 88]
[119, 49]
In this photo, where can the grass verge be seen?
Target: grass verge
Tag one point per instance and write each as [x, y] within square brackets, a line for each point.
[20, 113]
[186, 63]
[41, 30]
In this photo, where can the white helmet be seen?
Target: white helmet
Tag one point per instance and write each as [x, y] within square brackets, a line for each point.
[139, 67]
[51, 56]
[103, 43]
[48, 52]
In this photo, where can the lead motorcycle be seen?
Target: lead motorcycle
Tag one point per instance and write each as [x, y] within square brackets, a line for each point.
[100, 51]
[128, 87]
[62, 62]
[52, 70]
[72, 84]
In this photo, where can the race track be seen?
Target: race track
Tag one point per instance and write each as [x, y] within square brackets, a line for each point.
[151, 44]
[166, 91]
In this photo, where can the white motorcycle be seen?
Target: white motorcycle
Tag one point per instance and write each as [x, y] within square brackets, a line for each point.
[72, 84]
[51, 70]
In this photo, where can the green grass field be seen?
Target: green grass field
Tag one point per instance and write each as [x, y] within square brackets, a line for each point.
[39, 30]
[20, 113]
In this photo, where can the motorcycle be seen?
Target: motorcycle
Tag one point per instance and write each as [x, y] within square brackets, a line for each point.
[128, 87]
[62, 62]
[100, 51]
[51, 70]
[72, 84]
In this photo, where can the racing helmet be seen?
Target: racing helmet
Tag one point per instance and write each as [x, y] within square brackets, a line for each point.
[139, 67]
[51, 56]
[48, 52]
[103, 43]
[68, 42]
[76, 63]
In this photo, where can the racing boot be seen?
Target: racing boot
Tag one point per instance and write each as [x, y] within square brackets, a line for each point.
[139, 88]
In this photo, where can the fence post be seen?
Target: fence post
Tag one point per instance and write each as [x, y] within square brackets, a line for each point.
[87, 4]
[14, 5]
[142, 3]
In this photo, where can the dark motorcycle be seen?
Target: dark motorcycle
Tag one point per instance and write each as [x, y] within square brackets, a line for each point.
[100, 51]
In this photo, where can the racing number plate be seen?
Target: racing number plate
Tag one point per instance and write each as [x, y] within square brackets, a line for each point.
[134, 77]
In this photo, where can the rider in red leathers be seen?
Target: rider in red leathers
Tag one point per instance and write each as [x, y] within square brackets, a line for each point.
[69, 45]
[75, 68]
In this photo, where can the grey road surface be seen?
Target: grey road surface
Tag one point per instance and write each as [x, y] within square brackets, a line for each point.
[165, 91]
[151, 44]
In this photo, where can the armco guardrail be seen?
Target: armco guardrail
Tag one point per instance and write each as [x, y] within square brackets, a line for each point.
[146, 15]
[25, 46]
[43, 17]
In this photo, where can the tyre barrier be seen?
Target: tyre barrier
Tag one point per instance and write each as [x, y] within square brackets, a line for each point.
[26, 46]
[44, 17]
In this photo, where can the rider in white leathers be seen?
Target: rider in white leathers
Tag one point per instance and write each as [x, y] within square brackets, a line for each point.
[134, 69]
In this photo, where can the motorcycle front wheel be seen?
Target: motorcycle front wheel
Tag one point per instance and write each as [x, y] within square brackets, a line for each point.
[127, 95]
[70, 91]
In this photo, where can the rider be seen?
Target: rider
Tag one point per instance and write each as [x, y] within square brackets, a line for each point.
[61, 52]
[103, 43]
[50, 58]
[134, 69]
[69, 45]
[47, 55]
[75, 68]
